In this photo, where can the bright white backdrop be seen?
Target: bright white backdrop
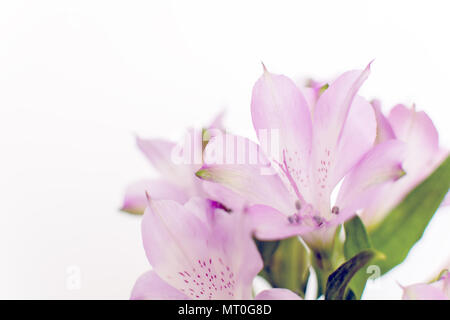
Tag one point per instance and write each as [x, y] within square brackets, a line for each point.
[79, 78]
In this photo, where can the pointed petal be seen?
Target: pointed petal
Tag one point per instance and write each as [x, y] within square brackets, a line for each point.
[277, 294]
[334, 104]
[384, 129]
[217, 122]
[167, 230]
[177, 163]
[135, 200]
[158, 153]
[248, 174]
[357, 138]
[202, 260]
[279, 108]
[151, 287]
[330, 120]
[379, 167]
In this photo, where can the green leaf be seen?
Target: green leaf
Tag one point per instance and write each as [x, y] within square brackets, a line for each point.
[286, 264]
[325, 261]
[356, 240]
[405, 224]
[356, 237]
[320, 276]
[337, 253]
[267, 249]
[350, 295]
[338, 281]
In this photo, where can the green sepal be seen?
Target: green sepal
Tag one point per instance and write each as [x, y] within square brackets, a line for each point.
[336, 288]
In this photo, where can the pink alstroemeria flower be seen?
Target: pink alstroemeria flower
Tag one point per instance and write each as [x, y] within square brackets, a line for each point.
[199, 252]
[319, 144]
[178, 181]
[438, 290]
[423, 156]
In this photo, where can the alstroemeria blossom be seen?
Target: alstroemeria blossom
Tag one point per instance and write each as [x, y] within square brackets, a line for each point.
[422, 157]
[318, 146]
[437, 290]
[199, 252]
[178, 181]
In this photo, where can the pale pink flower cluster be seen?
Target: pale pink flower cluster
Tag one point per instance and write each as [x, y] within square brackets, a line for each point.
[200, 216]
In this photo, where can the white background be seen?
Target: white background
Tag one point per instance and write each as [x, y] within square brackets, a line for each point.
[79, 78]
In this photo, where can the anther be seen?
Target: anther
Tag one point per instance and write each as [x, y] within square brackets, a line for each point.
[298, 205]
[335, 210]
[318, 220]
[294, 219]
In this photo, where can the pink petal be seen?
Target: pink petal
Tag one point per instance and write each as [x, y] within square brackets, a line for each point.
[247, 175]
[277, 294]
[446, 201]
[311, 96]
[206, 209]
[331, 116]
[270, 224]
[357, 138]
[334, 104]
[422, 157]
[380, 167]
[423, 292]
[135, 200]
[230, 199]
[158, 153]
[167, 230]
[387, 197]
[203, 260]
[151, 287]
[279, 107]
[232, 234]
[417, 130]
[384, 129]
[177, 163]
[217, 122]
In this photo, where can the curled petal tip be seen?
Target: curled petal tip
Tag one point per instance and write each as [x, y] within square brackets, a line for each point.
[400, 285]
[367, 69]
[264, 67]
[138, 139]
[136, 136]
